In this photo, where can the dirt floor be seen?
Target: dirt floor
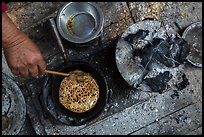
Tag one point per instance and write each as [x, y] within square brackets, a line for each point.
[129, 111]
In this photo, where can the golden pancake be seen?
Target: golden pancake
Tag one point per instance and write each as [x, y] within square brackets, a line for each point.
[78, 92]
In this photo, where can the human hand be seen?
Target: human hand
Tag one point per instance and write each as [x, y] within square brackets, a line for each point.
[25, 59]
[22, 55]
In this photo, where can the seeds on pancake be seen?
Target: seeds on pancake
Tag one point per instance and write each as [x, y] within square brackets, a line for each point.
[80, 92]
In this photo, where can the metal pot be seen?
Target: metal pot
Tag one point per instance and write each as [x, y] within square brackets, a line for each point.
[80, 22]
[13, 107]
[193, 35]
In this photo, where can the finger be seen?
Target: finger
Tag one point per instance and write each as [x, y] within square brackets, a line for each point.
[33, 71]
[15, 72]
[41, 67]
[24, 72]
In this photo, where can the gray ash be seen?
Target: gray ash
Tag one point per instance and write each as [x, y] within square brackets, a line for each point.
[170, 53]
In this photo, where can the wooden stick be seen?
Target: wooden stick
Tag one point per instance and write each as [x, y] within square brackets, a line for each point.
[56, 73]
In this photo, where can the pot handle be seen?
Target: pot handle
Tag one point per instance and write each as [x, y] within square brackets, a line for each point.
[59, 41]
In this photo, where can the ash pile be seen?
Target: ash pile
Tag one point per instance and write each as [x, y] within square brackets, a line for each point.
[155, 59]
[160, 60]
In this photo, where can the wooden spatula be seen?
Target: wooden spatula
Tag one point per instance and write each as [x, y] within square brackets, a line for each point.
[56, 73]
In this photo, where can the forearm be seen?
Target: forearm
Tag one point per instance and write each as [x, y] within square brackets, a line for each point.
[11, 35]
[22, 54]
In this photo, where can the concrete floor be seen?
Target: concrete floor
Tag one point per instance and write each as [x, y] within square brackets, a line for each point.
[140, 112]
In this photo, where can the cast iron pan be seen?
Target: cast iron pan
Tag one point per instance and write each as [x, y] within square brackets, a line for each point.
[79, 118]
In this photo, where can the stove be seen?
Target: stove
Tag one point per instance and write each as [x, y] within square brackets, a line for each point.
[119, 94]
[95, 53]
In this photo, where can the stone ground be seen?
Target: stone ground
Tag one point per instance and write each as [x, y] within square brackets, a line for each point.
[139, 112]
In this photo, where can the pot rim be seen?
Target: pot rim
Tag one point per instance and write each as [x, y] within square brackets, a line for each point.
[101, 23]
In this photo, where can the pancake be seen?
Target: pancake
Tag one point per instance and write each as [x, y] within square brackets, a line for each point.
[78, 92]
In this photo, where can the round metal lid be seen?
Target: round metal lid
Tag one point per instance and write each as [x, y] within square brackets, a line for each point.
[13, 107]
[193, 35]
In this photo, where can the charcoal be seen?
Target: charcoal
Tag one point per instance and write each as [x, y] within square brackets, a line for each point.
[158, 83]
[147, 51]
[162, 53]
[170, 52]
[133, 38]
[146, 54]
[183, 51]
[175, 95]
[180, 86]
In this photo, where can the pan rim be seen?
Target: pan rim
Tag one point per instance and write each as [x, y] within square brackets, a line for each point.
[82, 118]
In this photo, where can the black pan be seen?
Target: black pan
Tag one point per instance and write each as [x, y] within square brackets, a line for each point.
[80, 118]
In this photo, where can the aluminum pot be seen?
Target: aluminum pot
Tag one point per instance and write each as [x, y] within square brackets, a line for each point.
[13, 106]
[80, 22]
[193, 35]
